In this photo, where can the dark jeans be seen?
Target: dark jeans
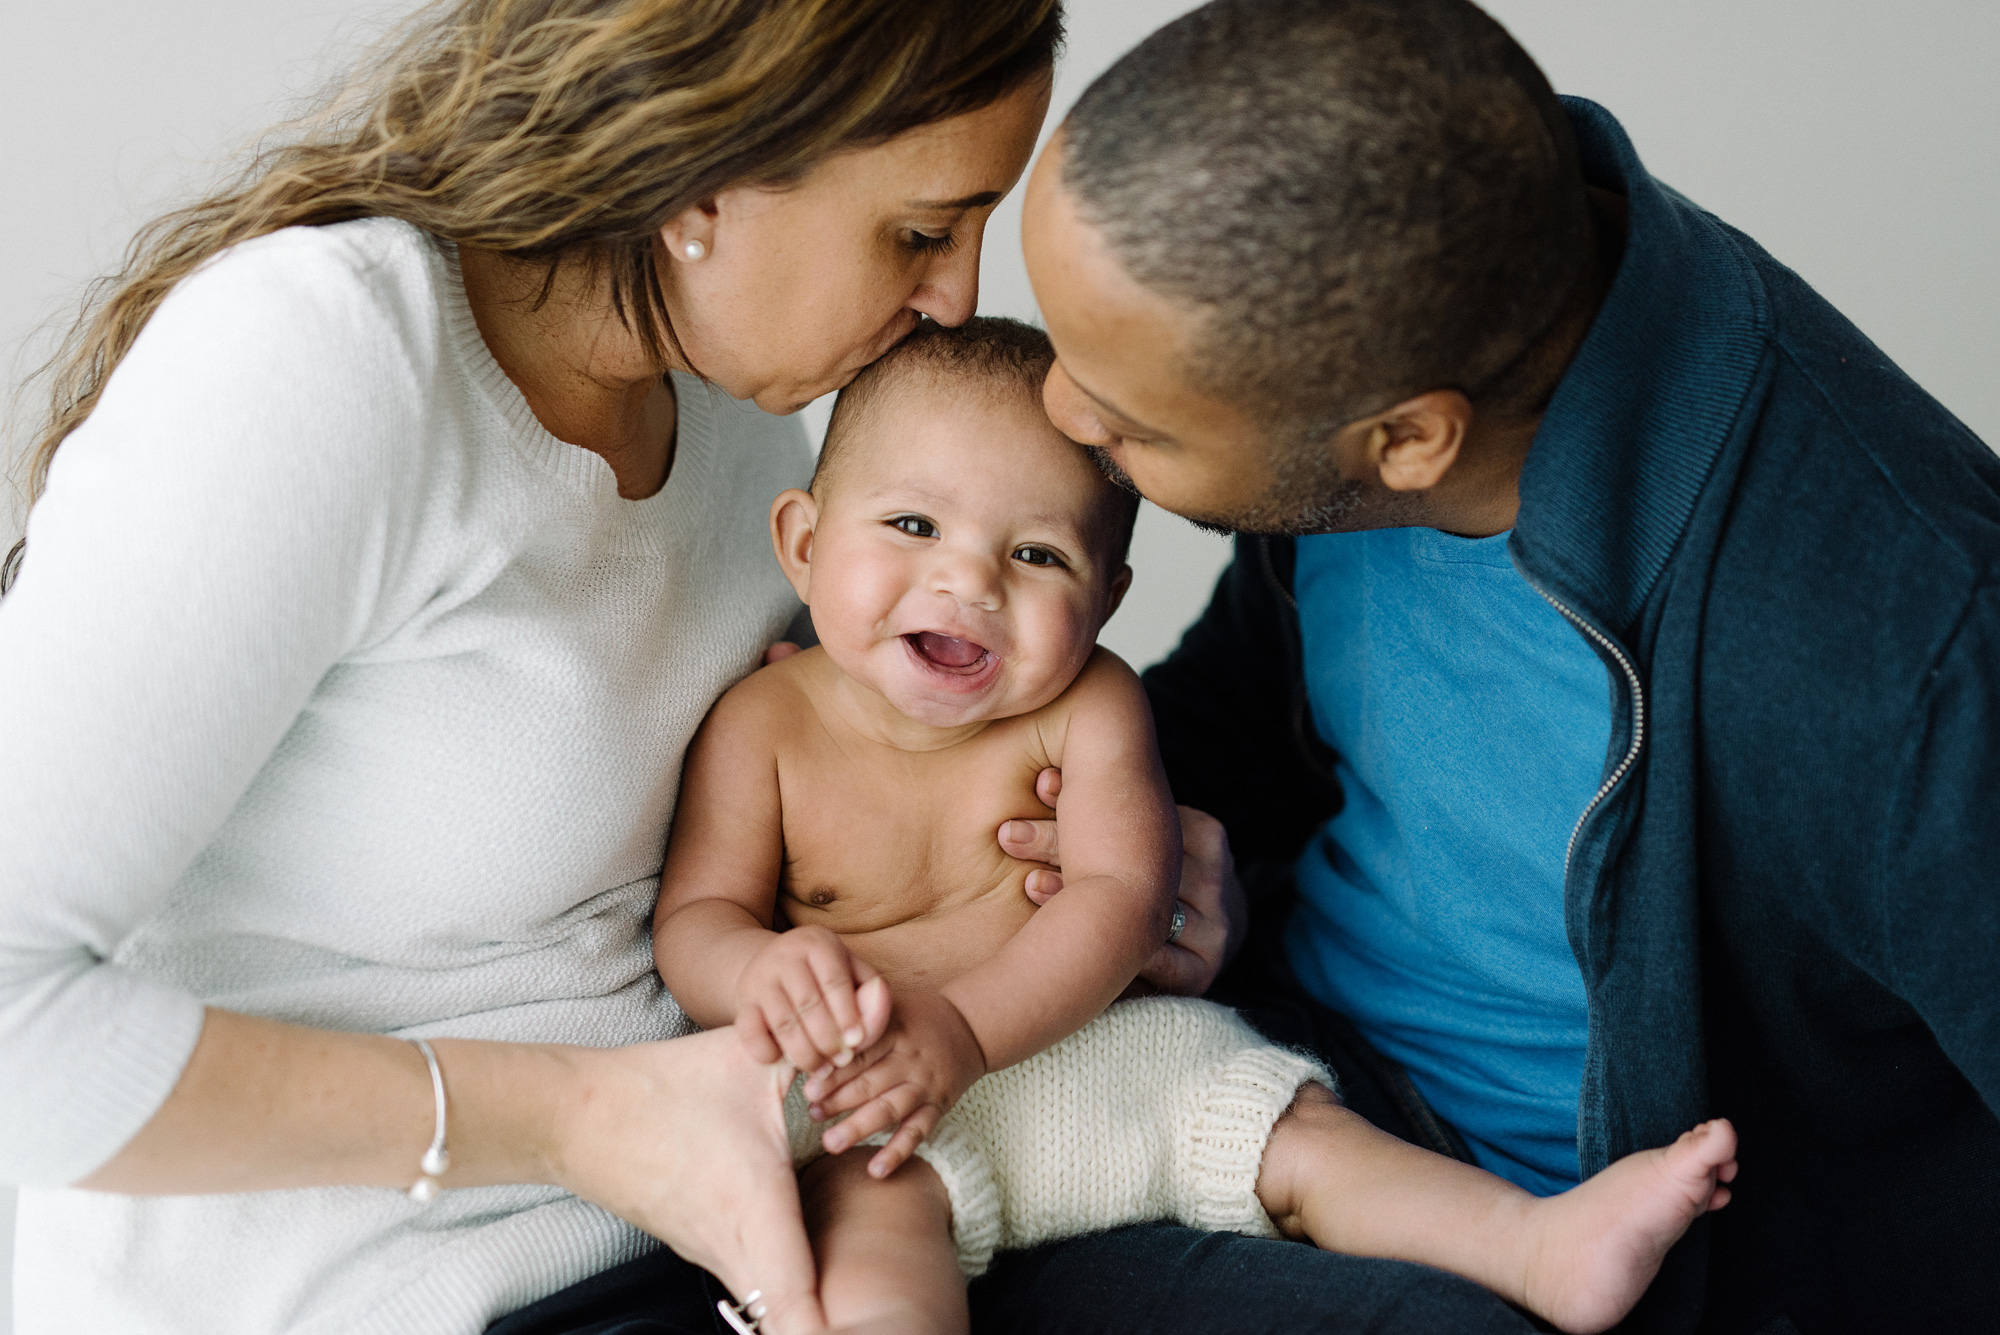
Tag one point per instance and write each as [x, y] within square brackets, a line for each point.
[1150, 1279]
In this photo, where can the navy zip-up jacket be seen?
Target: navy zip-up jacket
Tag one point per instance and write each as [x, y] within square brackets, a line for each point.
[1785, 900]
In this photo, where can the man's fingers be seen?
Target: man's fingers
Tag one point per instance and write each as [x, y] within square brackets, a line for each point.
[1048, 787]
[1042, 886]
[1202, 835]
[1031, 841]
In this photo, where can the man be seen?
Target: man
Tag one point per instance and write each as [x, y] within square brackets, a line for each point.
[1607, 665]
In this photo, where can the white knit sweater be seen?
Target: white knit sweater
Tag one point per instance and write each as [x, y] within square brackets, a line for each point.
[335, 689]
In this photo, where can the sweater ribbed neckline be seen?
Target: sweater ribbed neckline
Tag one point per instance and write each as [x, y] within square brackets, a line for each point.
[649, 522]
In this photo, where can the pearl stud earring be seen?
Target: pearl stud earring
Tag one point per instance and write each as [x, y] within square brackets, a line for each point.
[694, 250]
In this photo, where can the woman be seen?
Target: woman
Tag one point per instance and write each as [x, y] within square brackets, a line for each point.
[398, 530]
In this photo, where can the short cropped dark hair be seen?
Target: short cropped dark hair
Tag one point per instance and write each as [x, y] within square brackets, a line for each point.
[993, 349]
[1364, 199]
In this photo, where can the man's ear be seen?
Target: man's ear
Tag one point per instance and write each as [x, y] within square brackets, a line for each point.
[1414, 444]
[793, 516]
[1121, 583]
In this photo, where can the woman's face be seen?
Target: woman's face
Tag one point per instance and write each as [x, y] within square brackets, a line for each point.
[799, 288]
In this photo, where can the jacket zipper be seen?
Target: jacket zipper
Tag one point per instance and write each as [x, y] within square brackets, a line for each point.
[1631, 756]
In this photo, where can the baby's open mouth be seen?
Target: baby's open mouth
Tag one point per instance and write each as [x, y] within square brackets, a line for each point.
[947, 654]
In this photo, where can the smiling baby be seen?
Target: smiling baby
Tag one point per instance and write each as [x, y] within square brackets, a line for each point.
[836, 835]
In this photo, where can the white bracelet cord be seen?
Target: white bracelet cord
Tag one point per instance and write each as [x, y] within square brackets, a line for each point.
[436, 1159]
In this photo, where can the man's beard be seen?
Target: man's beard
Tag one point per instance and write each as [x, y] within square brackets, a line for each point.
[1307, 495]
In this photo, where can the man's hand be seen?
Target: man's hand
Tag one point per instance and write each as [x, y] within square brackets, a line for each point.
[1210, 895]
[909, 1080]
[801, 998]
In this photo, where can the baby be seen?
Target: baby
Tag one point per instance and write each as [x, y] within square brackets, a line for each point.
[836, 836]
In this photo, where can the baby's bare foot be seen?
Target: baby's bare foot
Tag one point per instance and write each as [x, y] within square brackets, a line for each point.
[1598, 1245]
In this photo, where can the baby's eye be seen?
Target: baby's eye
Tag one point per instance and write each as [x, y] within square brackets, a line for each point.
[1037, 556]
[915, 525]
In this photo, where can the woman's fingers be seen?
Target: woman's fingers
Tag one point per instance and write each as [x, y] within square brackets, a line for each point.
[686, 1140]
[783, 649]
[1048, 786]
[903, 1144]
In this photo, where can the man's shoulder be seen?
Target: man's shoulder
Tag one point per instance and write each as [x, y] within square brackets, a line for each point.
[1851, 424]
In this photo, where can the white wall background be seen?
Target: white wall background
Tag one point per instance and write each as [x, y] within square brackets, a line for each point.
[1859, 142]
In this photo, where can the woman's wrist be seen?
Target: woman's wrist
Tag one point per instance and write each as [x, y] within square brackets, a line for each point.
[511, 1105]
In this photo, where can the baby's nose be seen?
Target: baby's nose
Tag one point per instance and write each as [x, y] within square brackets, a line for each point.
[972, 580]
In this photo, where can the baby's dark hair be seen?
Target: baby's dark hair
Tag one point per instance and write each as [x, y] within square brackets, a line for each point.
[993, 349]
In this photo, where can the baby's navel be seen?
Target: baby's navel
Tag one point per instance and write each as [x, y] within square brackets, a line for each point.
[820, 898]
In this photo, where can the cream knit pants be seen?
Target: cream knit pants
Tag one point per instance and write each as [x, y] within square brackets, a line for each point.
[1158, 1109]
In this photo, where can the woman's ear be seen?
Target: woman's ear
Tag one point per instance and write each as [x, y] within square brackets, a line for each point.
[689, 235]
[1414, 444]
[793, 515]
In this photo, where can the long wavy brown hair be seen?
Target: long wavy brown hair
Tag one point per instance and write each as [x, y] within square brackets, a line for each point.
[568, 131]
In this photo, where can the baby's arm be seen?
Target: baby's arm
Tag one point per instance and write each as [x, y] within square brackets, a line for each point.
[791, 994]
[1121, 850]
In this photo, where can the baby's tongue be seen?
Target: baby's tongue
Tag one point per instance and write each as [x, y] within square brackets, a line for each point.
[947, 652]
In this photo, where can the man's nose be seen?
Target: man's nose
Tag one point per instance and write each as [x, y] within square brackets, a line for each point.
[1070, 409]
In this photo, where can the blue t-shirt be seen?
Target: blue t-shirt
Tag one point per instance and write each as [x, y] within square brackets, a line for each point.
[1472, 722]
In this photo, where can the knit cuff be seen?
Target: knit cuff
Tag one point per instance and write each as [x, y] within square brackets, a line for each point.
[967, 1175]
[1218, 1175]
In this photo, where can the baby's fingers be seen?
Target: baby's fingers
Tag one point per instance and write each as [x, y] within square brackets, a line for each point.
[878, 1114]
[756, 1037]
[903, 1144]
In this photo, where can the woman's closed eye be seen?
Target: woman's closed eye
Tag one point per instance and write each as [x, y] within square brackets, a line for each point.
[931, 243]
[915, 525]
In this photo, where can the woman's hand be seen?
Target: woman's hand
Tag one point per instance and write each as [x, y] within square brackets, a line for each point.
[686, 1140]
[1211, 897]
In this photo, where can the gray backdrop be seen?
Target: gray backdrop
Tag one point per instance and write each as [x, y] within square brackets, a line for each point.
[1857, 141]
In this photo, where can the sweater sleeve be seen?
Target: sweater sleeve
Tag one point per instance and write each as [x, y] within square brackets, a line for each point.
[1940, 869]
[212, 539]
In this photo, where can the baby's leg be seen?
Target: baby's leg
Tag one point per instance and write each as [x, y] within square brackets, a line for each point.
[1581, 1260]
[886, 1260]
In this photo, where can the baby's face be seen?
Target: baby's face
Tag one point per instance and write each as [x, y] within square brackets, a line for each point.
[954, 567]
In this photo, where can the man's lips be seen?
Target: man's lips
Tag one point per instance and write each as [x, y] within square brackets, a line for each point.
[947, 653]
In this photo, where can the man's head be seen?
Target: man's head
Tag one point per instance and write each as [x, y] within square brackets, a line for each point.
[1286, 251]
[958, 552]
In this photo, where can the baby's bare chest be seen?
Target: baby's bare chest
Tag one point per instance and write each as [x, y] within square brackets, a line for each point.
[876, 840]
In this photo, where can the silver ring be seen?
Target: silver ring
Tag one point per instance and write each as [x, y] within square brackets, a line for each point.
[744, 1318]
[1179, 925]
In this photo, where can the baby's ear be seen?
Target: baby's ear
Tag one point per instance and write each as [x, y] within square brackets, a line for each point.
[793, 516]
[1120, 583]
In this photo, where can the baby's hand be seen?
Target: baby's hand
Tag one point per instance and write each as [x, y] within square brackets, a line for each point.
[909, 1080]
[796, 999]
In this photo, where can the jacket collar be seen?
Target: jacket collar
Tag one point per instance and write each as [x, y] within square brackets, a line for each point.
[1644, 410]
